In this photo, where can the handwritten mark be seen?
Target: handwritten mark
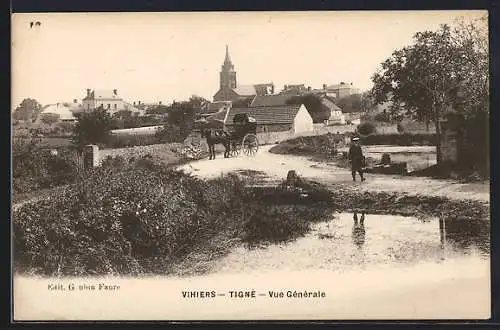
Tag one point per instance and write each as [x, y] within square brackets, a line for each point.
[37, 23]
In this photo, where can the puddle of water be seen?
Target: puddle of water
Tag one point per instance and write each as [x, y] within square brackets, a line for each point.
[341, 245]
[326, 259]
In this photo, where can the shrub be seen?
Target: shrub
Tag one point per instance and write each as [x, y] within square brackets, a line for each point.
[399, 139]
[366, 128]
[139, 219]
[92, 128]
[383, 117]
[34, 168]
[386, 159]
[325, 145]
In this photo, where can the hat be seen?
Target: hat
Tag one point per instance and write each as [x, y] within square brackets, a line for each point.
[355, 139]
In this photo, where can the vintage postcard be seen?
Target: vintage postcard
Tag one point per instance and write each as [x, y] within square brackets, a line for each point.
[251, 166]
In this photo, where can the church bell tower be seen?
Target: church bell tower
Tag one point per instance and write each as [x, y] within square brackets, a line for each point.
[227, 74]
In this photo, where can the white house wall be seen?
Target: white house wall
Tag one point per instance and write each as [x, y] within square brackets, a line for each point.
[303, 121]
[111, 105]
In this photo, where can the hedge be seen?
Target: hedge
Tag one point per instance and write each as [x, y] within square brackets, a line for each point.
[399, 139]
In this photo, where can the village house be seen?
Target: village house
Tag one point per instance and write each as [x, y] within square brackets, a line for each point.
[286, 118]
[271, 100]
[214, 107]
[340, 90]
[332, 111]
[107, 99]
[336, 117]
[62, 112]
[230, 90]
[298, 89]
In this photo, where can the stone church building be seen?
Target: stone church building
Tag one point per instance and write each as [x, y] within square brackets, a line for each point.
[230, 90]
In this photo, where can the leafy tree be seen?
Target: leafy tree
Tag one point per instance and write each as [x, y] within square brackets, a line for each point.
[352, 103]
[182, 115]
[65, 127]
[158, 109]
[50, 118]
[367, 102]
[439, 71]
[318, 111]
[29, 109]
[92, 127]
[198, 102]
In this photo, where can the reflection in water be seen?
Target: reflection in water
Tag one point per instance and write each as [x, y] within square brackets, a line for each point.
[342, 244]
[465, 234]
[358, 230]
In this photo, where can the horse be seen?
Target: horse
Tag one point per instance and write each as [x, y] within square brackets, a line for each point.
[217, 137]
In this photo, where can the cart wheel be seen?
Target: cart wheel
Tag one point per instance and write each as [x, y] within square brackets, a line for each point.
[250, 144]
[235, 149]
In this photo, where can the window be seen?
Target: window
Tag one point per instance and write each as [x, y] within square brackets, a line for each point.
[115, 106]
[109, 106]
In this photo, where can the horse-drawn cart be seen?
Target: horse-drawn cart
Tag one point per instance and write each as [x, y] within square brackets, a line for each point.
[244, 135]
[241, 136]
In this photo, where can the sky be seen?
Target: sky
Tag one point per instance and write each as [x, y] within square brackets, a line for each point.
[153, 57]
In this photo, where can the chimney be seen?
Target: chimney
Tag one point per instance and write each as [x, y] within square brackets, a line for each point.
[115, 91]
[324, 87]
[75, 101]
[88, 92]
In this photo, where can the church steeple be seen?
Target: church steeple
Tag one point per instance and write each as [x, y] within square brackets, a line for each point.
[227, 60]
[227, 74]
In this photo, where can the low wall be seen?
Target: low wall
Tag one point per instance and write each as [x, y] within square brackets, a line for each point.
[319, 129]
[139, 151]
[146, 130]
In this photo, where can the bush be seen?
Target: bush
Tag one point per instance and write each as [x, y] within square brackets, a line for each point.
[383, 117]
[92, 128]
[366, 128]
[399, 139]
[141, 218]
[325, 145]
[34, 168]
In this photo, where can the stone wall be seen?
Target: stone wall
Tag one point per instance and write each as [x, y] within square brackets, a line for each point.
[165, 151]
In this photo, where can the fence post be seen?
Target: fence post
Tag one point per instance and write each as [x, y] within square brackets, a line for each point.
[90, 156]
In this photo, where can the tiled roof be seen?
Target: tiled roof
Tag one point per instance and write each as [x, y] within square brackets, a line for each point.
[245, 90]
[270, 100]
[217, 106]
[218, 116]
[267, 115]
[330, 104]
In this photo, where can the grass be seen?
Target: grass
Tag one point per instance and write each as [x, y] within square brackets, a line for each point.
[145, 219]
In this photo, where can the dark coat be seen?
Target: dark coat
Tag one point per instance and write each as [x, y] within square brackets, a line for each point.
[356, 156]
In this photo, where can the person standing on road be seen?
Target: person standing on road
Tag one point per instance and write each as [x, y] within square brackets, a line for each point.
[356, 159]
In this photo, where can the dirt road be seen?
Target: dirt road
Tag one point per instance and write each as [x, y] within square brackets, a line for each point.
[275, 167]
